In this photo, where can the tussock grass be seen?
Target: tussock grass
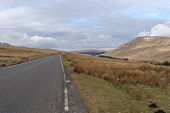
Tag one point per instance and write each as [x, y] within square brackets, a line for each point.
[121, 72]
[10, 55]
[116, 86]
[101, 96]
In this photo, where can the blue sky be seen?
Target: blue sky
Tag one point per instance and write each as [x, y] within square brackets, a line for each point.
[80, 21]
[149, 14]
[81, 24]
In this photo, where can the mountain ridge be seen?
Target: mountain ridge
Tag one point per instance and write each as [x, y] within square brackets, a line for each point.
[149, 48]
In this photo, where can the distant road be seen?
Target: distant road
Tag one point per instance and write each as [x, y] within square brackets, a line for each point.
[33, 87]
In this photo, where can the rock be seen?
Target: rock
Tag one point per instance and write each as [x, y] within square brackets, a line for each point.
[153, 105]
[160, 111]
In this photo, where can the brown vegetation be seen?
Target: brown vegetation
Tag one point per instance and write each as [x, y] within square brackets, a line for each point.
[119, 86]
[121, 73]
[153, 48]
[10, 55]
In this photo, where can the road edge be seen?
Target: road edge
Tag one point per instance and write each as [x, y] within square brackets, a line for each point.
[66, 106]
[75, 102]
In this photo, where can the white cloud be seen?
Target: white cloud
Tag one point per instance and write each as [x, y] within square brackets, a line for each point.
[62, 43]
[42, 41]
[39, 39]
[153, 14]
[141, 34]
[158, 30]
[49, 25]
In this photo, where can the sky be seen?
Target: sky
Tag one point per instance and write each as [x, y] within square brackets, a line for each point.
[81, 24]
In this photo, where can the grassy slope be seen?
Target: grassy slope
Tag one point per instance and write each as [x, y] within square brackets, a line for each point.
[101, 96]
[153, 49]
[10, 55]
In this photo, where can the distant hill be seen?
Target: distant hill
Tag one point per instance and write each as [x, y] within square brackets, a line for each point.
[91, 52]
[4, 44]
[150, 48]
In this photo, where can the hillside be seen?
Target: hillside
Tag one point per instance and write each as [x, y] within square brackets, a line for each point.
[145, 49]
[10, 55]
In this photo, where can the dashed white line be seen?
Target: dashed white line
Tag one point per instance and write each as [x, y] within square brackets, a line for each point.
[68, 81]
[66, 106]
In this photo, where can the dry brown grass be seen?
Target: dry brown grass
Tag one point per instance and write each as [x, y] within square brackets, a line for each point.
[115, 86]
[10, 55]
[119, 72]
[100, 96]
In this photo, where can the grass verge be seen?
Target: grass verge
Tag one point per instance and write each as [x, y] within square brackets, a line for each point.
[102, 95]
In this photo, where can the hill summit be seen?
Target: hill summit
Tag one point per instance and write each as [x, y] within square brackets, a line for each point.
[150, 48]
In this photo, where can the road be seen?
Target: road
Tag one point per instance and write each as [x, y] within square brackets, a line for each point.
[34, 87]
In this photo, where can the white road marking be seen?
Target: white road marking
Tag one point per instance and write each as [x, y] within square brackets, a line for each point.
[68, 81]
[66, 107]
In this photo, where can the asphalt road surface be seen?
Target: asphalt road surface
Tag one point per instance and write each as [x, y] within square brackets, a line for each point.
[37, 87]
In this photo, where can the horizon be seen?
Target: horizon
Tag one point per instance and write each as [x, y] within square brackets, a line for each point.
[83, 25]
[101, 49]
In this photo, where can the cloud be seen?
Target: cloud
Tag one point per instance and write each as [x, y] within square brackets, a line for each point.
[42, 41]
[23, 39]
[6, 4]
[158, 30]
[78, 24]
[153, 14]
[141, 34]
[62, 43]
